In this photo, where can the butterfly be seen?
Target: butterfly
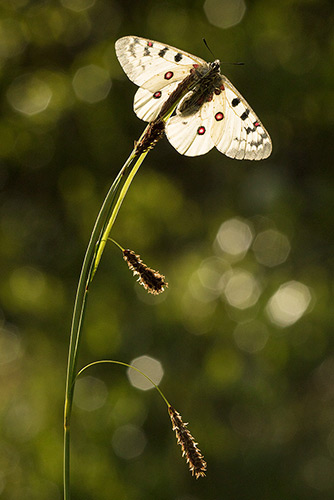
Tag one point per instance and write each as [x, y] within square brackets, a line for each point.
[212, 113]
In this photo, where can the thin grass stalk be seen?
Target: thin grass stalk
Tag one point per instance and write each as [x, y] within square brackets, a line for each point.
[96, 245]
[121, 363]
[115, 211]
[89, 268]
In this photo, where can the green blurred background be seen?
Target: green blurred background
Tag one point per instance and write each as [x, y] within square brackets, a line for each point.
[244, 334]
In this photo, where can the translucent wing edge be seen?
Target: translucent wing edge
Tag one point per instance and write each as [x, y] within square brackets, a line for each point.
[254, 136]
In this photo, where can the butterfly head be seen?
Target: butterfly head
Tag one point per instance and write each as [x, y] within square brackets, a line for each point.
[215, 65]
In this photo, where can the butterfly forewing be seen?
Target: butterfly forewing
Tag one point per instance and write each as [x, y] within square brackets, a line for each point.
[144, 59]
[244, 136]
[228, 134]
[213, 113]
[156, 68]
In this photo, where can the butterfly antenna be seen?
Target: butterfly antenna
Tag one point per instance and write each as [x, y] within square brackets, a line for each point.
[234, 63]
[207, 46]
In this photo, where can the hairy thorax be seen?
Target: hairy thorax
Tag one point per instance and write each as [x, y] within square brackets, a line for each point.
[210, 83]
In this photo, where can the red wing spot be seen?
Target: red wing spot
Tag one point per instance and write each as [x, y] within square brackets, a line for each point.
[157, 94]
[222, 87]
[256, 124]
[195, 65]
[218, 91]
[219, 116]
[201, 130]
[169, 75]
[150, 44]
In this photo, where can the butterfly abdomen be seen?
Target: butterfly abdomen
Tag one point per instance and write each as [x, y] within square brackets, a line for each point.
[208, 85]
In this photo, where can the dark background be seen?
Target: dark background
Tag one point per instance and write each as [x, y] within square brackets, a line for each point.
[253, 375]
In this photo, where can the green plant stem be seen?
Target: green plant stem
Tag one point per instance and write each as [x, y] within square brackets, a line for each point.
[116, 208]
[104, 223]
[96, 245]
[128, 366]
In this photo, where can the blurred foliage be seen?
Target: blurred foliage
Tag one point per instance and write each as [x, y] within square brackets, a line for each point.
[245, 331]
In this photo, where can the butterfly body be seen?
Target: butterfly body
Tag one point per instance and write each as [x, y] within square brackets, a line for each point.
[207, 85]
[210, 113]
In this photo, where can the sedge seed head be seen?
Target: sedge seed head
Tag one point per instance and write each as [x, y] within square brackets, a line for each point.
[152, 281]
[194, 457]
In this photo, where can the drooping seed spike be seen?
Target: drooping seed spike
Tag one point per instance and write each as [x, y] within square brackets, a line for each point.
[152, 281]
[195, 459]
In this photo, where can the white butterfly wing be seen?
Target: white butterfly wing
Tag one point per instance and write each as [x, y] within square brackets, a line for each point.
[143, 59]
[156, 68]
[227, 121]
[240, 134]
[147, 104]
[227, 132]
[190, 135]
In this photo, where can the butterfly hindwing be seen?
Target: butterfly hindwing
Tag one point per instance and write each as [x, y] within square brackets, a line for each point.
[150, 97]
[147, 104]
[190, 135]
[156, 68]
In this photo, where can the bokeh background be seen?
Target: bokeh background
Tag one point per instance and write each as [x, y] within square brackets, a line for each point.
[243, 338]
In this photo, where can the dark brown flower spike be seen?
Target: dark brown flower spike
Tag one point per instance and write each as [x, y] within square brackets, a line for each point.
[154, 133]
[195, 459]
[152, 281]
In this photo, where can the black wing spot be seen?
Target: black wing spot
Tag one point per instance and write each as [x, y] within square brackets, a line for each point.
[178, 57]
[163, 52]
[257, 144]
[249, 130]
[132, 49]
[235, 102]
[245, 114]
